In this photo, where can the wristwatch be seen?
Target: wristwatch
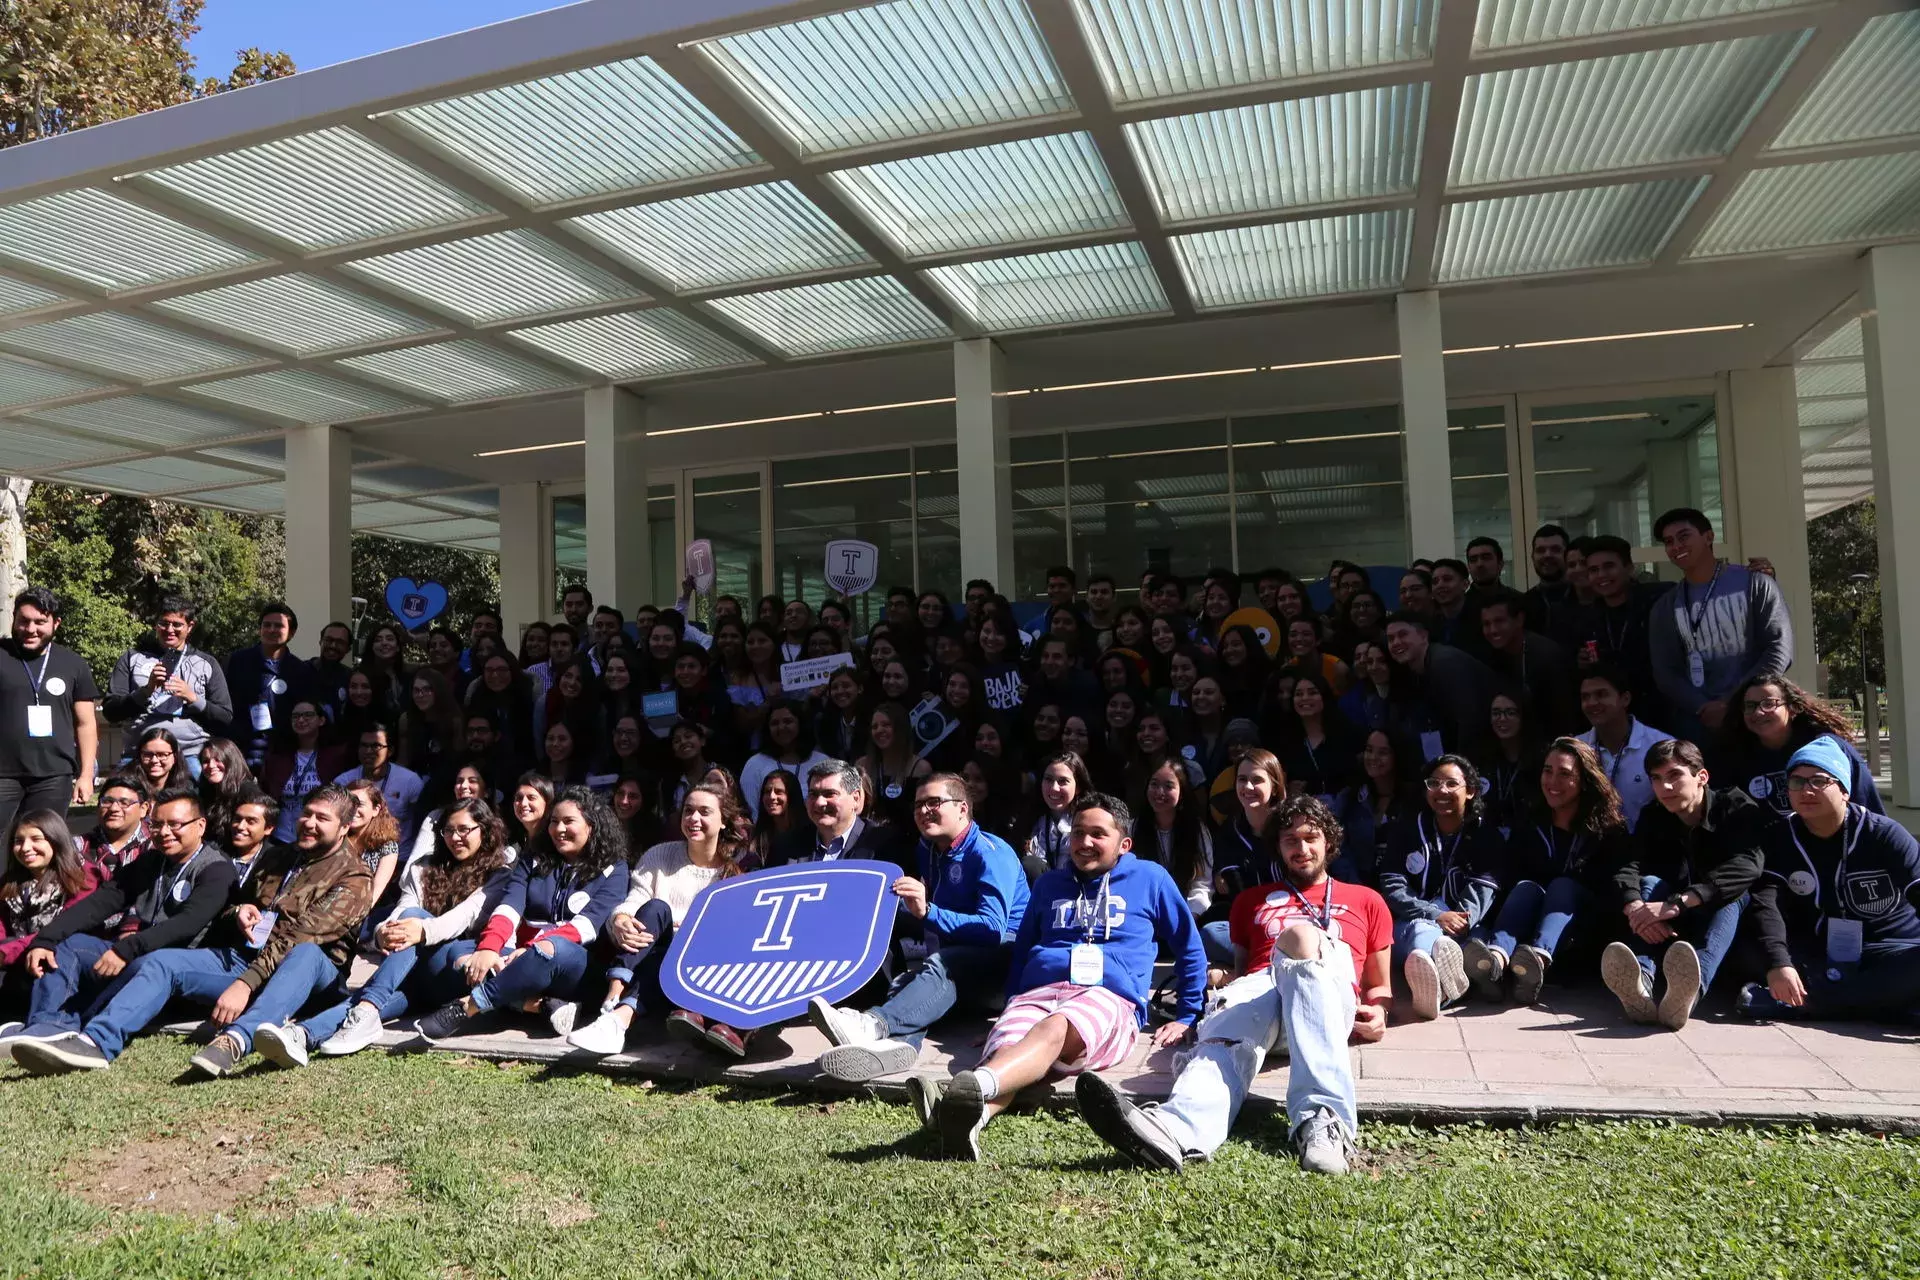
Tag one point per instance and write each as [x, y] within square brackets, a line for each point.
[1680, 900]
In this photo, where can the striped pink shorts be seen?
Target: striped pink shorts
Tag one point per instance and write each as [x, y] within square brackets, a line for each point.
[1108, 1024]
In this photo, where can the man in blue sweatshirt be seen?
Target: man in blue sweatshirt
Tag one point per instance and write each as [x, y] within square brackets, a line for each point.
[959, 915]
[1834, 911]
[1723, 624]
[1081, 977]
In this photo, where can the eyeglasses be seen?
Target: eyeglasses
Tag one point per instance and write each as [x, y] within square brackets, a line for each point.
[1766, 707]
[1817, 782]
[932, 803]
[1445, 784]
[1162, 788]
[458, 833]
[1506, 713]
[306, 715]
[154, 757]
[117, 803]
[176, 827]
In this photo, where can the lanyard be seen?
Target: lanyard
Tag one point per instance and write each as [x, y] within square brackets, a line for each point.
[1573, 849]
[1846, 852]
[1323, 917]
[37, 680]
[1614, 759]
[1446, 852]
[174, 878]
[1694, 613]
[1099, 906]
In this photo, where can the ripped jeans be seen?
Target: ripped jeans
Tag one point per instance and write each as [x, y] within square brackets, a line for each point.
[1305, 1009]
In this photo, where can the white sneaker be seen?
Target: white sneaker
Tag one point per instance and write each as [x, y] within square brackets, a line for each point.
[1323, 1143]
[285, 1046]
[1681, 966]
[845, 1026]
[1620, 970]
[1452, 967]
[603, 1036]
[361, 1029]
[1423, 984]
[561, 1015]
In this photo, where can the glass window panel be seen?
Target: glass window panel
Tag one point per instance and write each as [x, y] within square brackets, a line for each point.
[1315, 486]
[726, 509]
[663, 539]
[1482, 502]
[1154, 497]
[1039, 514]
[863, 495]
[936, 510]
[1612, 467]
[569, 544]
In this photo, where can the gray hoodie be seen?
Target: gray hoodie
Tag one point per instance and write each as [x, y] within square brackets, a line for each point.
[130, 702]
[1740, 625]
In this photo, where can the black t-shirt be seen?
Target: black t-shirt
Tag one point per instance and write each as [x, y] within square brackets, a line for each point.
[66, 681]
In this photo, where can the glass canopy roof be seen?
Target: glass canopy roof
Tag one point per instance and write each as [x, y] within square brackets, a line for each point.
[675, 204]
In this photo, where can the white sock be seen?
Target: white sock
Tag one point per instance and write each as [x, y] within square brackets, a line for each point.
[989, 1083]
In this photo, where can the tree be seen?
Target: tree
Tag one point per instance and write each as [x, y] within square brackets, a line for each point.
[68, 64]
[1841, 544]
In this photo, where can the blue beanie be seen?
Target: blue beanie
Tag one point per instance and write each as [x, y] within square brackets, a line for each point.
[1825, 752]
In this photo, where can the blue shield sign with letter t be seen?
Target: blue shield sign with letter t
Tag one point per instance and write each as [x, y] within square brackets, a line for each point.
[755, 948]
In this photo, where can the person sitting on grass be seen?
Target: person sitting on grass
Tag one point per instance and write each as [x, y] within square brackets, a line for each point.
[1684, 885]
[666, 880]
[1440, 877]
[1081, 975]
[1565, 864]
[1313, 957]
[443, 898]
[555, 904]
[1834, 909]
[167, 897]
[957, 919]
[297, 913]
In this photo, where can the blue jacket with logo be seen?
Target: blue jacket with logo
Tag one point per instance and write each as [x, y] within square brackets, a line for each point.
[976, 891]
[1144, 910]
[1426, 874]
[1869, 872]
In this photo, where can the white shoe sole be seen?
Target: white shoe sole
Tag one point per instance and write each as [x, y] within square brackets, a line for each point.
[280, 1048]
[50, 1057]
[859, 1063]
[336, 1047]
[1681, 965]
[1453, 970]
[562, 1017]
[1620, 970]
[593, 1039]
[1423, 985]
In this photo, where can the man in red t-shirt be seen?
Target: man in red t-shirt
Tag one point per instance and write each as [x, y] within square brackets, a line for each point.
[1332, 984]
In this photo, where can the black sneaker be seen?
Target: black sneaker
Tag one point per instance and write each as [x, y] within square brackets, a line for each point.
[450, 1019]
[218, 1058]
[962, 1115]
[57, 1055]
[1131, 1130]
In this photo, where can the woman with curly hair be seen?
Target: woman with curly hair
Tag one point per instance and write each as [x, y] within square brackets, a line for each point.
[1768, 719]
[555, 902]
[1440, 877]
[443, 899]
[1565, 863]
[374, 834]
[714, 832]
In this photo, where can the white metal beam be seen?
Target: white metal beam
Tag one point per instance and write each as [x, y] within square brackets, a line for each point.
[1452, 52]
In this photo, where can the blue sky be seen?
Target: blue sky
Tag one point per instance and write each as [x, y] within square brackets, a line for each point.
[321, 32]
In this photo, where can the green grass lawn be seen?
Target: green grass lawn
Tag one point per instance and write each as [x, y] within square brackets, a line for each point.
[428, 1166]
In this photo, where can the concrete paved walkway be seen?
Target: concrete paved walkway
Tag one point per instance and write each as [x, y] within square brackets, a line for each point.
[1573, 1056]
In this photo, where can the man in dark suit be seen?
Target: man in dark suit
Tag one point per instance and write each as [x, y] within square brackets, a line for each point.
[836, 795]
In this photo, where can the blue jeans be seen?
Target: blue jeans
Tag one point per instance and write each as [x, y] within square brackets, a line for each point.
[1410, 936]
[305, 972]
[65, 991]
[1216, 939]
[532, 973]
[1710, 932]
[927, 990]
[1881, 985]
[640, 970]
[1533, 916]
[199, 974]
[425, 972]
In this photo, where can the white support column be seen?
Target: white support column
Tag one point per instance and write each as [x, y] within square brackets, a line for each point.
[526, 551]
[1891, 332]
[1426, 466]
[1770, 497]
[986, 476]
[319, 496]
[619, 562]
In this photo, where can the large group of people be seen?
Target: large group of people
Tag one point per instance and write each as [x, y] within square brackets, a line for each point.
[1238, 816]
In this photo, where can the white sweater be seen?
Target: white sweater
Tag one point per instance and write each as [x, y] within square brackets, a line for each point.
[667, 873]
[456, 922]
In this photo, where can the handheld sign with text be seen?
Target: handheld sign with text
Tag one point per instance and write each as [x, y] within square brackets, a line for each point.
[811, 673]
[699, 564]
[756, 948]
[416, 603]
[852, 566]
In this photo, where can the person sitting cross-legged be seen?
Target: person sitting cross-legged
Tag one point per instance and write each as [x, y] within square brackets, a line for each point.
[168, 896]
[1834, 910]
[955, 923]
[1683, 886]
[1081, 977]
[444, 897]
[281, 942]
[1314, 963]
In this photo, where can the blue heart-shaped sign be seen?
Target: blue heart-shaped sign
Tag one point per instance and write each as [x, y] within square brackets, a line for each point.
[416, 604]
